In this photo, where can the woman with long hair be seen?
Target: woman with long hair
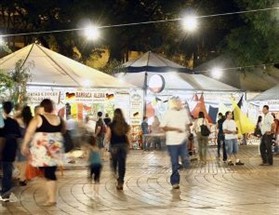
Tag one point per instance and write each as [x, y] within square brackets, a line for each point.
[117, 135]
[44, 134]
[202, 140]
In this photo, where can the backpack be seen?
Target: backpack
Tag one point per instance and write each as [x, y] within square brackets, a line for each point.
[204, 130]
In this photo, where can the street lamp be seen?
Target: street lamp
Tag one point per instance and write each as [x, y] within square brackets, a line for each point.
[92, 32]
[189, 23]
[217, 72]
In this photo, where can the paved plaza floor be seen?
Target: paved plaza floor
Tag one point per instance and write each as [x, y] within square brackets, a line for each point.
[211, 189]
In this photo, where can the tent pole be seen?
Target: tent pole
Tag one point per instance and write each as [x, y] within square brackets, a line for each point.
[145, 93]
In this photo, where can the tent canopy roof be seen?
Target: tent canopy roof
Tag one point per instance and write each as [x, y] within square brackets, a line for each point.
[256, 80]
[48, 68]
[271, 94]
[152, 62]
[139, 71]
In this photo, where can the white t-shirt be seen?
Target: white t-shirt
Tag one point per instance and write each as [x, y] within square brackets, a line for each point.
[177, 119]
[229, 125]
[266, 123]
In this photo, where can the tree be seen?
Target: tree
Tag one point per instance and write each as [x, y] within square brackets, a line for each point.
[256, 41]
[13, 85]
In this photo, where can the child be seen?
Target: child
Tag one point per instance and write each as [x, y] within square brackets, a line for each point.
[94, 161]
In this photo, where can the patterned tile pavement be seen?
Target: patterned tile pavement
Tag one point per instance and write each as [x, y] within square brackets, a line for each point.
[211, 189]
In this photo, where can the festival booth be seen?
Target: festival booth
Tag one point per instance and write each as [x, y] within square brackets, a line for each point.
[75, 88]
[162, 79]
[269, 97]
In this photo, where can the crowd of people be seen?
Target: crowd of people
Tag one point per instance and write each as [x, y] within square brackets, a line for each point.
[39, 141]
[179, 128]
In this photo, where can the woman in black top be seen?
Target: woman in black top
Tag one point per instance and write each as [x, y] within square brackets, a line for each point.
[117, 136]
[46, 148]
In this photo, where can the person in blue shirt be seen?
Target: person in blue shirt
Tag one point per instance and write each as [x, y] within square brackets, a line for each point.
[94, 162]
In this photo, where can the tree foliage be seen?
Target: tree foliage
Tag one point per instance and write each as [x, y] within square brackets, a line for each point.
[252, 36]
[13, 84]
[256, 41]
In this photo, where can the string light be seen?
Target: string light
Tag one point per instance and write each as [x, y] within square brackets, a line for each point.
[136, 23]
[218, 70]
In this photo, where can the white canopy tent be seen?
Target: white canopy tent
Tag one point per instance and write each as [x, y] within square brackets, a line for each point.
[48, 68]
[269, 97]
[138, 72]
[270, 94]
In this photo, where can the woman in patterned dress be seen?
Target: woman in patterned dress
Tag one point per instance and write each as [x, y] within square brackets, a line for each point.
[44, 134]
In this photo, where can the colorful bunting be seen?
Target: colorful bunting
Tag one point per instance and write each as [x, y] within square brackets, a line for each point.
[200, 107]
[213, 111]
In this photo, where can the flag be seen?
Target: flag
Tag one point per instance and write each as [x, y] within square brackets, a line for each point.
[200, 107]
[213, 111]
[243, 123]
[195, 97]
[240, 102]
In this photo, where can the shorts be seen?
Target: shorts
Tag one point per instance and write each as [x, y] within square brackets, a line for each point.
[231, 146]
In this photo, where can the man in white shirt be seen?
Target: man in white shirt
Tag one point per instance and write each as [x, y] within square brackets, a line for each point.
[266, 140]
[176, 125]
[230, 131]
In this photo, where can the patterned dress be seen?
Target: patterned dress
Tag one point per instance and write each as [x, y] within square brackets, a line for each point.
[47, 147]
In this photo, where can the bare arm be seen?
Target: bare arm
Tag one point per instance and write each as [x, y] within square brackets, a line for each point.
[98, 130]
[168, 128]
[108, 135]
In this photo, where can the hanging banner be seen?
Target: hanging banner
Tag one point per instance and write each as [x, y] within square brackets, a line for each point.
[136, 107]
[35, 97]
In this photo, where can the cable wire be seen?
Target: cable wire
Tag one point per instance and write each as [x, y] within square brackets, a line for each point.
[136, 23]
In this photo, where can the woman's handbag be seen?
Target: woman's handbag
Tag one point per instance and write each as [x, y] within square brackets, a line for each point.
[32, 172]
[204, 130]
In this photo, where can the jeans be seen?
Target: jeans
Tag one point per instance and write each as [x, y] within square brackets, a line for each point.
[231, 146]
[221, 144]
[7, 168]
[176, 151]
[266, 149]
[118, 155]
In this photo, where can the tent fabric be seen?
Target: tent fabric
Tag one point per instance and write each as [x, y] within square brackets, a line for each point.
[48, 68]
[258, 79]
[152, 62]
[270, 94]
[137, 75]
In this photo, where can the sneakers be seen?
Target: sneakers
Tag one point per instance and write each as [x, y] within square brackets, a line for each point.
[22, 183]
[175, 186]
[4, 199]
[239, 163]
[230, 163]
[119, 186]
[265, 164]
